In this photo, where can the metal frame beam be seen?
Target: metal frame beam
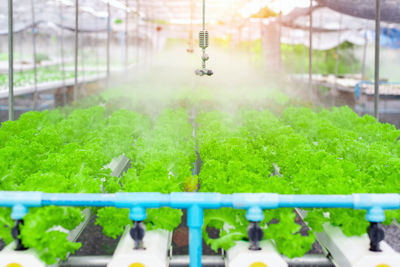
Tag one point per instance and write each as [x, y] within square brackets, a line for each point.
[310, 49]
[377, 56]
[108, 40]
[10, 62]
[76, 49]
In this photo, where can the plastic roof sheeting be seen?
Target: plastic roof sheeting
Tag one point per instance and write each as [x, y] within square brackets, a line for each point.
[94, 12]
[53, 12]
[390, 9]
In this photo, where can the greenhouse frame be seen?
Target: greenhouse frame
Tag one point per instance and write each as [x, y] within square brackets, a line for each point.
[199, 133]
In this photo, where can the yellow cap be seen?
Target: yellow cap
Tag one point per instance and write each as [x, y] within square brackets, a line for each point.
[13, 265]
[382, 265]
[136, 264]
[258, 264]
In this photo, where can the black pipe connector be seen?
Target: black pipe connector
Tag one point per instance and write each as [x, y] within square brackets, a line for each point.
[255, 234]
[137, 233]
[376, 235]
[16, 232]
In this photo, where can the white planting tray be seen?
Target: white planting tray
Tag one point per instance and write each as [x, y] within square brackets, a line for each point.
[27, 258]
[241, 256]
[354, 251]
[155, 254]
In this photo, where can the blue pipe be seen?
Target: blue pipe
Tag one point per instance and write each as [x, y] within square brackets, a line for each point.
[195, 224]
[137, 203]
[78, 199]
[315, 201]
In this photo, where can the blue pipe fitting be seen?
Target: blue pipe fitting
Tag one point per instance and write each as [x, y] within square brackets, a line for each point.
[204, 200]
[368, 201]
[263, 200]
[254, 214]
[375, 214]
[18, 212]
[137, 214]
[27, 199]
[375, 204]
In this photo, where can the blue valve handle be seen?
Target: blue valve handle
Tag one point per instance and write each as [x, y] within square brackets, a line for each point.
[375, 204]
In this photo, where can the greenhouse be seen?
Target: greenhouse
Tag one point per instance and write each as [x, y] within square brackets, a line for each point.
[218, 133]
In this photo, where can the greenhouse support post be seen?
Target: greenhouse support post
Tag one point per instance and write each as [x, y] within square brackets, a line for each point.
[126, 33]
[310, 49]
[337, 51]
[10, 62]
[76, 50]
[64, 89]
[108, 41]
[377, 56]
[34, 31]
[137, 30]
[96, 37]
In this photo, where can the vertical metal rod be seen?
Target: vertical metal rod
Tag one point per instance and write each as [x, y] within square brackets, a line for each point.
[204, 15]
[76, 49]
[82, 56]
[318, 56]
[148, 36]
[310, 50]
[126, 34]
[204, 29]
[34, 29]
[248, 31]
[335, 88]
[108, 39]
[191, 41]
[377, 56]
[64, 90]
[10, 62]
[338, 47]
[96, 37]
[137, 31]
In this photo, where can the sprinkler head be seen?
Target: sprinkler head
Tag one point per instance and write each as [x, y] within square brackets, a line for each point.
[202, 72]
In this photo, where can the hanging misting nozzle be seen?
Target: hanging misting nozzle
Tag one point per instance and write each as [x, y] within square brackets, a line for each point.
[203, 43]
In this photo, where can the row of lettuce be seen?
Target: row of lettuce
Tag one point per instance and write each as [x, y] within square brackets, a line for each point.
[298, 151]
[59, 152]
[43, 75]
